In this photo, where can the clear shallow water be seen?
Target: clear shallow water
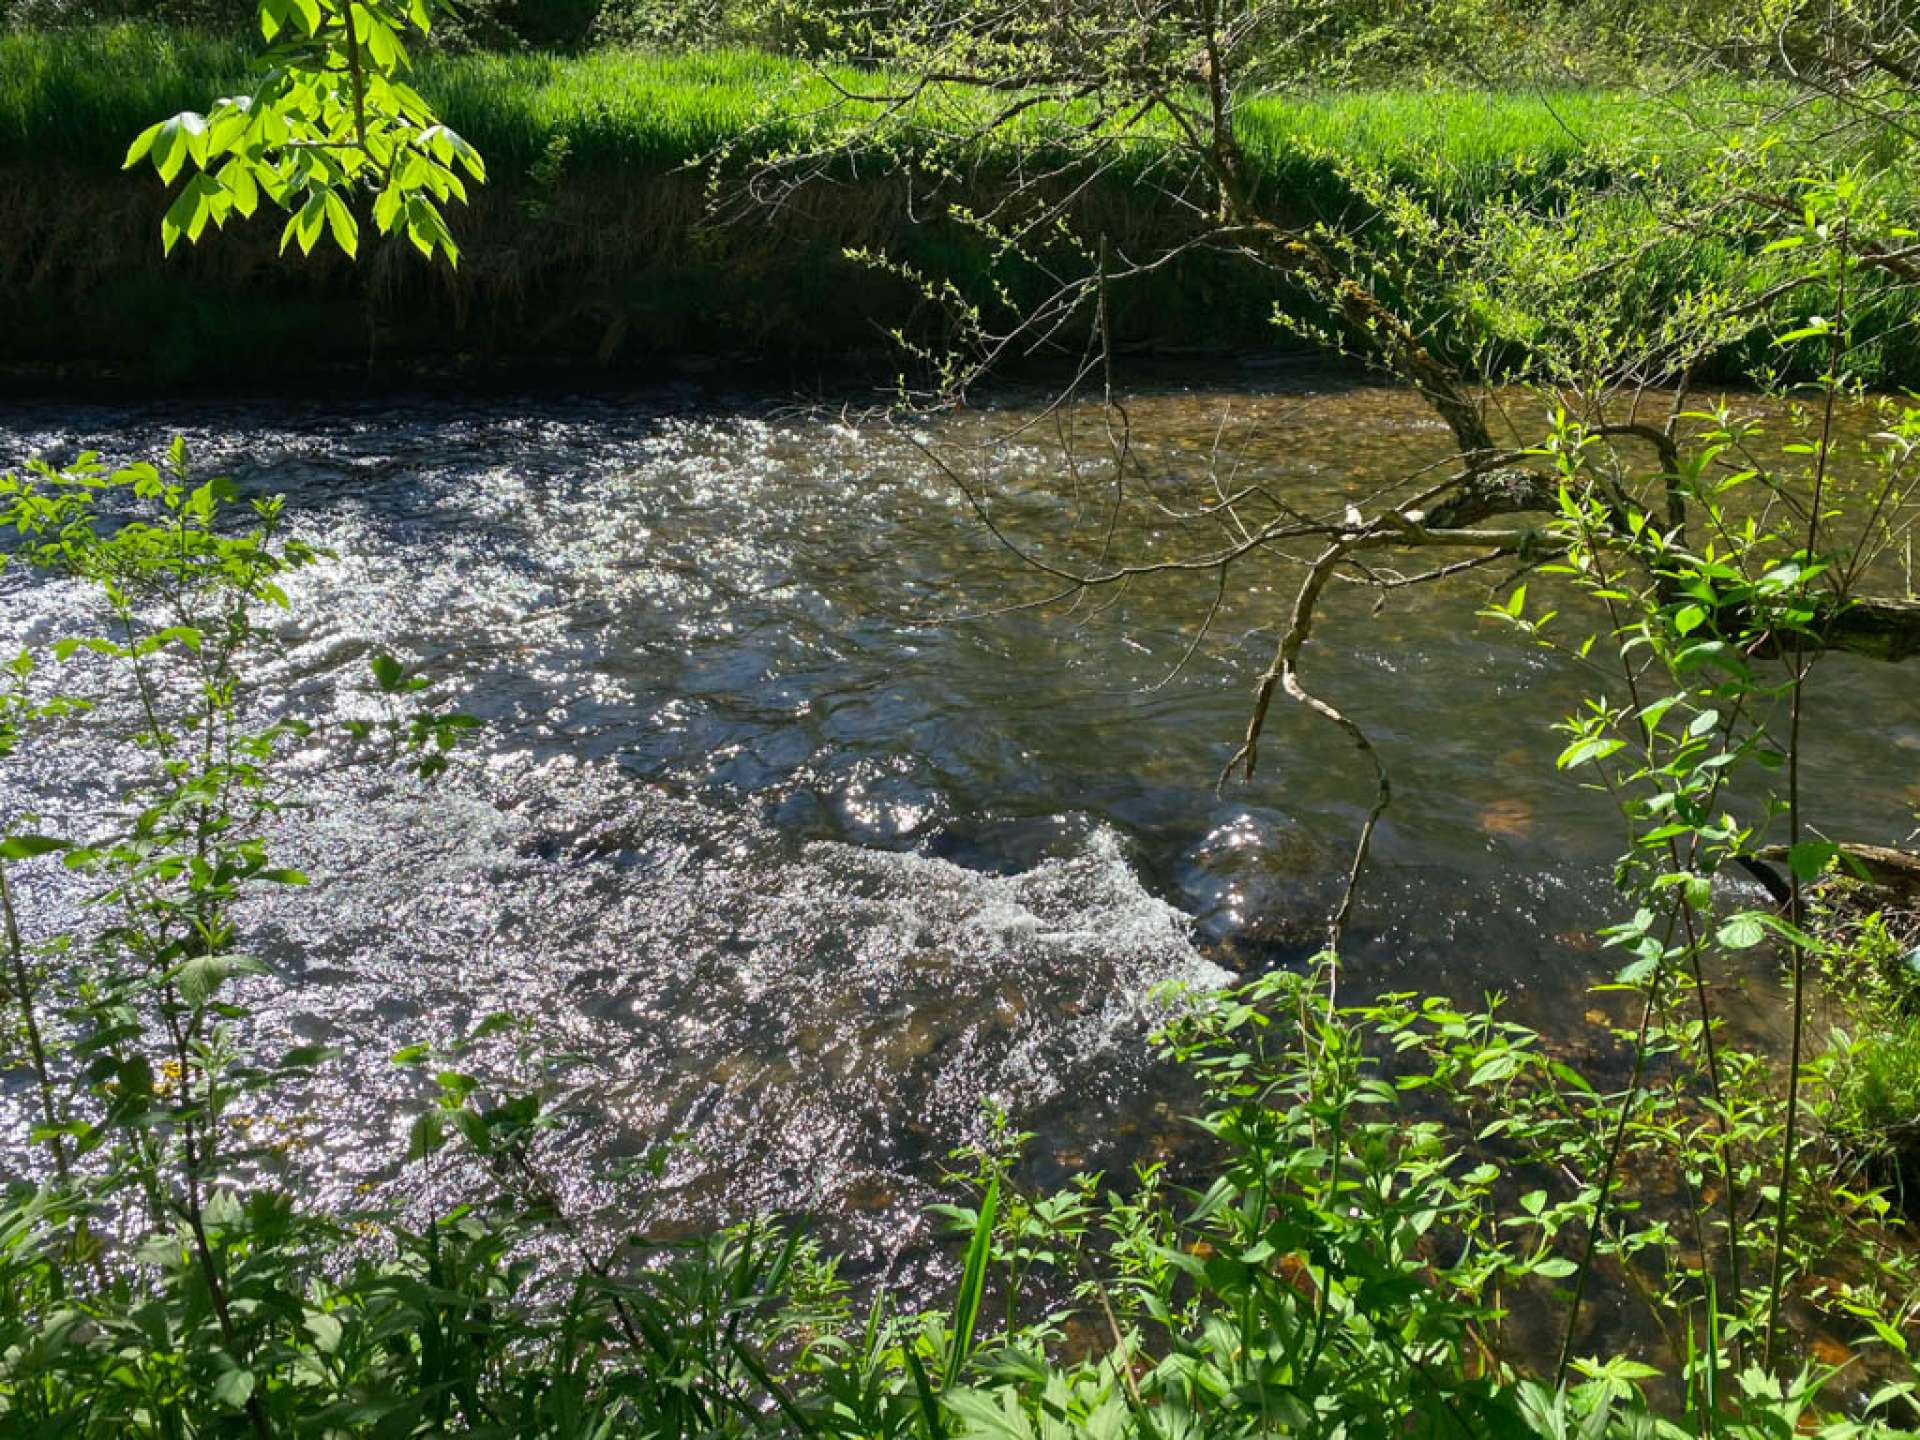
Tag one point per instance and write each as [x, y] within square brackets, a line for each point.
[803, 878]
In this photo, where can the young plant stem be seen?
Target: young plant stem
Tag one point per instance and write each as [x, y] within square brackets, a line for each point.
[1676, 519]
[1732, 1195]
[36, 1047]
[1801, 664]
[356, 74]
[1615, 1146]
[196, 1216]
[162, 743]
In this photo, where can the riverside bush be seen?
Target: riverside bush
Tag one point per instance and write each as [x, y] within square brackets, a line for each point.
[1607, 39]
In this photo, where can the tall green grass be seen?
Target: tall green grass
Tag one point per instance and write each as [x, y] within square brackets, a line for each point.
[69, 97]
[76, 97]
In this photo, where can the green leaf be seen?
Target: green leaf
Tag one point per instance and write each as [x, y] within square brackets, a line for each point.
[174, 223]
[346, 230]
[142, 145]
[988, 1415]
[923, 1391]
[1892, 1337]
[428, 231]
[1501, 1065]
[1821, 326]
[25, 847]
[973, 1283]
[1592, 748]
[427, 1136]
[1638, 971]
[308, 221]
[237, 176]
[171, 143]
[386, 208]
[1741, 932]
[325, 1330]
[201, 977]
[1651, 715]
[234, 1388]
[1810, 858]
[1712, 652]
[387, 672]
[1699, 890]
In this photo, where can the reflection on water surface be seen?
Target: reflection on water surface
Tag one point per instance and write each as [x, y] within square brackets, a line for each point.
[802, 878]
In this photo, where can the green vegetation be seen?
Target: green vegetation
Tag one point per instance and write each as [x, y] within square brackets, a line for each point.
[1879, 1112]
[1607, 41]
[75, 97]
[1873, 975]
[606, 238]
[599, 228]
[1418, 1218]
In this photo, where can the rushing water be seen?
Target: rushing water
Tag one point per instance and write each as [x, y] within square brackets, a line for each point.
[803, 878]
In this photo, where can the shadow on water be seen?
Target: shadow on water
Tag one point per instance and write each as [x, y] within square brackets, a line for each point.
[803, 879]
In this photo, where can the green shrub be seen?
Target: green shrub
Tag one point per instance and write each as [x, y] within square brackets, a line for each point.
[1877, 1110]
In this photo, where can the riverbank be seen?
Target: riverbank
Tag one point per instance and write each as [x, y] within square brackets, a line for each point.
[597, 243]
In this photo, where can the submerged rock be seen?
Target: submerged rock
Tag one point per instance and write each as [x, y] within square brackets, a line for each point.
[1257, 883]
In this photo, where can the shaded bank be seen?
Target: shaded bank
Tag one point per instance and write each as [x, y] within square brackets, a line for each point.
[597, 245]
[626, 273]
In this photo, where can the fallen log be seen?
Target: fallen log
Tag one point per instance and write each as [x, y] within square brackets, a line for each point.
[1895, 872]
[1877, 627]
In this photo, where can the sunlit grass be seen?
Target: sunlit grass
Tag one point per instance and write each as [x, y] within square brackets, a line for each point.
[76, 97]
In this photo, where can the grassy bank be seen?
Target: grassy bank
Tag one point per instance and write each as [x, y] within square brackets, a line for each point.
[593, 243]
[75, 98]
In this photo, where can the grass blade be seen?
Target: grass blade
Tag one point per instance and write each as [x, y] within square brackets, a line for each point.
[973, 1284]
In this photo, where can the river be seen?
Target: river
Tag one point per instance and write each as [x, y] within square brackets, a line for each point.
[803, 870]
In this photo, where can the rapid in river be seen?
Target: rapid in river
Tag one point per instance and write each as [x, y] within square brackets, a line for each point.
[801, 868]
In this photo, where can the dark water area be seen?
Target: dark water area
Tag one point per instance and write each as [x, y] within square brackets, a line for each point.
[803, 869]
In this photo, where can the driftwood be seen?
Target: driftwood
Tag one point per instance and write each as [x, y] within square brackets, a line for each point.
[1894, 872]
[1883, 629]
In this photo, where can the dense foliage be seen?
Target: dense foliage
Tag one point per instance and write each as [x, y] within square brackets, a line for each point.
[1596, 40]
